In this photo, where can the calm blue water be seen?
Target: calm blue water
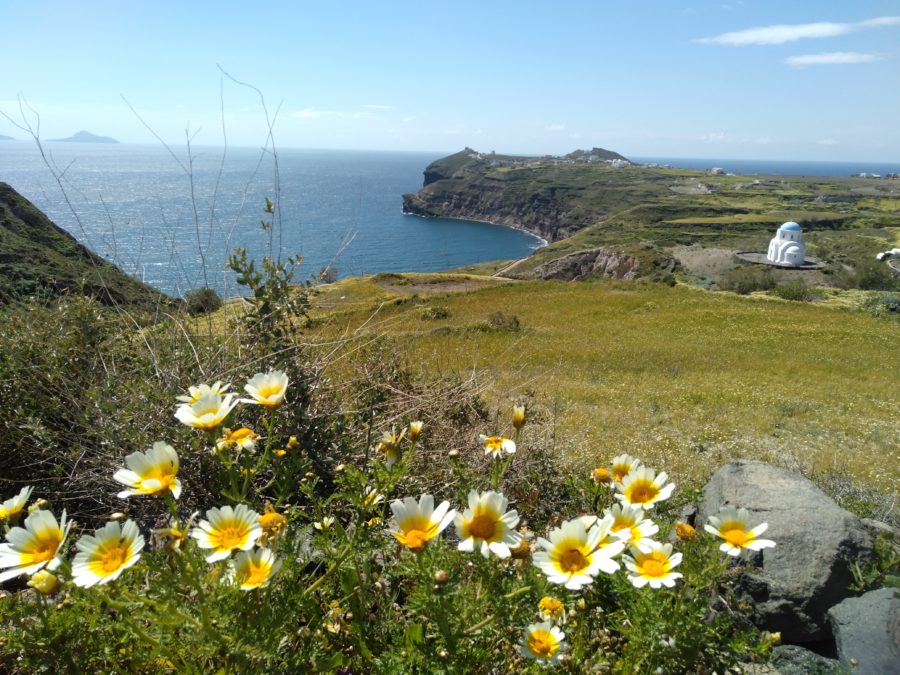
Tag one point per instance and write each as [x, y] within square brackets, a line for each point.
[769, 167]
[134, 207]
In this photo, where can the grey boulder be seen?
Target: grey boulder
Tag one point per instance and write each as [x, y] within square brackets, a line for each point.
[867, 630]
[808, 571]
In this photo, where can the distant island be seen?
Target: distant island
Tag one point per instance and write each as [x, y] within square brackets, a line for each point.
[84, 137]
[6, 138]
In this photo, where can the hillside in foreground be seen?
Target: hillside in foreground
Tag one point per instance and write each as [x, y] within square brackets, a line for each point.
[37, 257]
[684, 377]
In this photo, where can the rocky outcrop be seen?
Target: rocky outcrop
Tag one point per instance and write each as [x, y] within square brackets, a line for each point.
[808, 572]
[597, 262]
[538, 213]
[795, 660]
[867, 632]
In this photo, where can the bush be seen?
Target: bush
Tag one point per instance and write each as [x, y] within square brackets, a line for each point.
[744, 280]
[797, 291]
[202, 301]
[435, 313]
[501, 321]
[868, 275]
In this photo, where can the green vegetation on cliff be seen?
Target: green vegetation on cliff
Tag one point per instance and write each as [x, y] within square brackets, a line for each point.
[37, 257]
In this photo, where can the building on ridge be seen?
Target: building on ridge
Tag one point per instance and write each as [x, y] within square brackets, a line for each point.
[787, 247]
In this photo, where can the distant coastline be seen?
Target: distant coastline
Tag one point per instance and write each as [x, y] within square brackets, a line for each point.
[769, 167]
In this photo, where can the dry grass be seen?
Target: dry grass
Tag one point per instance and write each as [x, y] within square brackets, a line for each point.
[685, 379]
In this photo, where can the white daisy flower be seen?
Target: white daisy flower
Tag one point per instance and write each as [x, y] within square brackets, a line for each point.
[35, 546]
[622, 465]
[487, 524]
[253, 569]
[196, 393]
[572, 555]
[630, 525]
[543, 642]
[103, 556]
[497, 445]
[731, 525]
[414, 523]
[151, 472]
[653, 566]
[642, 487]
[13, 506]
[226, 530]
[267, 389]
[207, 412]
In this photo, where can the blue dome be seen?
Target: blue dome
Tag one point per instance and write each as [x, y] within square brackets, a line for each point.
[790, 225]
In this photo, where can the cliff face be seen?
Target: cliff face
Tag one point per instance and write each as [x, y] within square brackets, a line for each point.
[539, 194]
[39, 257]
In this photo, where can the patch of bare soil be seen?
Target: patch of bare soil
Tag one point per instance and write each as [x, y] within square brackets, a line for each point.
[708, 262]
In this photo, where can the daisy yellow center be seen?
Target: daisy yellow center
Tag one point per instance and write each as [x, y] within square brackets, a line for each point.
[654, 566]
[734, 534]
[619, 471]
[229, 535]
[256, 574]
[493, 443]
[483, 526]
[109, 560]
[641, 492]
[573, 560]
[542, 643]
[164, 475]
[44, 550]
[269, 390]
[415, 540]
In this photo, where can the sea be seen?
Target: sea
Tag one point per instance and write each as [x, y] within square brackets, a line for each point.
[173, 218]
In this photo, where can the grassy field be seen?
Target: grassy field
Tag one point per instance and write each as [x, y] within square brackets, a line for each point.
[683, 378]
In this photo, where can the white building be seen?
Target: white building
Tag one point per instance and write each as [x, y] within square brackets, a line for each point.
[787, 247]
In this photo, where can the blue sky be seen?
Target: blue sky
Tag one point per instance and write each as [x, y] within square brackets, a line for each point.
[728, 79]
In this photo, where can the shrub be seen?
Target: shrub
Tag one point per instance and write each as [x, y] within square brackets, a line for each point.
[501, 321]
[202, 301]
[744, 280]
[798, 291]
[436, 312]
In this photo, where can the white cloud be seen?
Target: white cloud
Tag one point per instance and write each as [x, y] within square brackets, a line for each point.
[555, 127]
[312, 113]
[827, 141]
[714, 137]
[782, 33]
[830, 58]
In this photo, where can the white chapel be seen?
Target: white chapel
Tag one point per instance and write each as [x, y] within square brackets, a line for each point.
[787, 247]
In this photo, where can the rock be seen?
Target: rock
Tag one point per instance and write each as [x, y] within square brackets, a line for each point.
[597, 262]
[795, 660]
[808, 571]
[867, 630]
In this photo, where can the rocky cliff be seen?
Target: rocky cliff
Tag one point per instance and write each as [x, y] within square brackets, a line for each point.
[538, 194]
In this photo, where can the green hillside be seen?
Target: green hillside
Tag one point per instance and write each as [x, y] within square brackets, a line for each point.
[37, 257]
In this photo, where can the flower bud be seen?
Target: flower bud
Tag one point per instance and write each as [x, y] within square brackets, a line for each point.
[453, 454]
[415, 430]
[44, 582]
[685, 532]
[518, 416]
[441, 577]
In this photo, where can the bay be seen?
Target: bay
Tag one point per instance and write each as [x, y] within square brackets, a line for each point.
[173, 219]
